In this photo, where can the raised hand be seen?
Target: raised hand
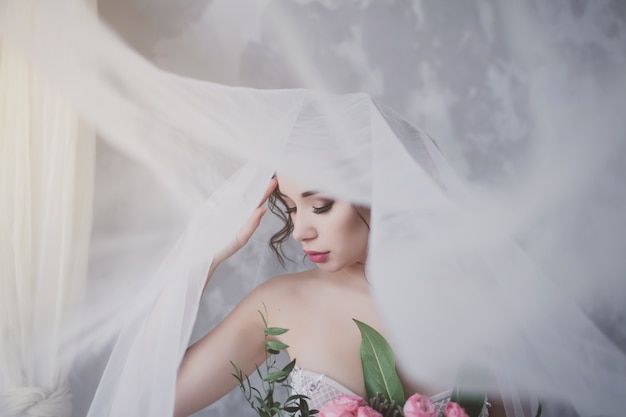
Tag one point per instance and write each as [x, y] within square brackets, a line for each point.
[244, 234]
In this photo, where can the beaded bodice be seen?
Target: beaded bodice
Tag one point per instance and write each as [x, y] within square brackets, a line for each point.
[320, 389]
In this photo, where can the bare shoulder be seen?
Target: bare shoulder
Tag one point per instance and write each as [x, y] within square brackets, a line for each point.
[289, 282]
[285, 286]
[283, 293]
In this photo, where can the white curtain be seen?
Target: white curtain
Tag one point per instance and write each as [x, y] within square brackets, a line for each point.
[46, 185]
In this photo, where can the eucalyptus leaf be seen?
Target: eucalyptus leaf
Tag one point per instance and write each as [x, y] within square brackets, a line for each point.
[283, 379]
[263, 316]
[304, 408]
[261, 398]
[275, 376]
[265, 408]
[275, 331]
[289, 367]
[238, 374]
[379, 365]
[294, 397]
[275, 345]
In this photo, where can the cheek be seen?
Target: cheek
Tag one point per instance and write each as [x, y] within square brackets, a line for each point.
[355, 232]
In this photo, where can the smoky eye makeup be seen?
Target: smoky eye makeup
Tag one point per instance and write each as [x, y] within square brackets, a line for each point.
[326, 206]
[323, 208]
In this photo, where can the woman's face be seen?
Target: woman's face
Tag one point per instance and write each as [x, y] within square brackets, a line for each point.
[333, 233]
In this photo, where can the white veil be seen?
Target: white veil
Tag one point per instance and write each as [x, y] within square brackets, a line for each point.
[518, 269]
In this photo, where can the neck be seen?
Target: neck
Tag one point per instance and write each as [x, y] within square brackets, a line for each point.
[355, 271]
[353, 274]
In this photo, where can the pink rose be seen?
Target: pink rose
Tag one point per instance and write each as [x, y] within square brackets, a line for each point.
[367, 411]
[342, 406]
[419, 406]
[455, 410]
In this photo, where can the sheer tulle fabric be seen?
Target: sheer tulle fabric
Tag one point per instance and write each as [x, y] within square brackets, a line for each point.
[180, 165]
[46, 185]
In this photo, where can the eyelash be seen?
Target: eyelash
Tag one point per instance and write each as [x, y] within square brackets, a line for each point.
[317, 210]
[326, 207]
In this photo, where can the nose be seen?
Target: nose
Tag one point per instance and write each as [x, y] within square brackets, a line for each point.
[303, 228]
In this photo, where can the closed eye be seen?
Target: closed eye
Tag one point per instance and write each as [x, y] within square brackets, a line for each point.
[323, 209]
[290, 210]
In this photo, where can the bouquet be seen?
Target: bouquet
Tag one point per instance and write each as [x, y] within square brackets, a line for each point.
[415, 406]
[385, 394]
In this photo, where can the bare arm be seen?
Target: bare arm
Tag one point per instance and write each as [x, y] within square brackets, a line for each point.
[205, 374]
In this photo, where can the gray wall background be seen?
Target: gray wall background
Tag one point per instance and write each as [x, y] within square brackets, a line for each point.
[501, 88]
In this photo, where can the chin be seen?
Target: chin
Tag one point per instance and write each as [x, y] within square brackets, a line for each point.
[329, 267]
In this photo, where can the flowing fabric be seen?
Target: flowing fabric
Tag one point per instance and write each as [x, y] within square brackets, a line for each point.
[518, 270]
[46, 186]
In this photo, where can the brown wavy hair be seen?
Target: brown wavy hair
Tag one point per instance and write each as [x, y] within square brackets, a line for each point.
[277, 205]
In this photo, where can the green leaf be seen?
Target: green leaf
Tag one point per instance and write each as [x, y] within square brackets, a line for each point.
[470, 399]
[289, 367]
[275, 331]
[275, 376]
[379, 365]
[238, 374]
[291, 409]
[294, 397]
[262, 315]
[304, 408]
[264, 409]
[274, 345]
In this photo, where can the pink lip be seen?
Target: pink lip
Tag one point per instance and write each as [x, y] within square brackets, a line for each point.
[317, 257]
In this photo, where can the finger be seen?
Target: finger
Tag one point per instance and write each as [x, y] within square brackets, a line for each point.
[269, 190]
[255, 220]
[251, 225]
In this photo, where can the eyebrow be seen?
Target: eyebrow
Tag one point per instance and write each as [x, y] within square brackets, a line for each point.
[304, 194]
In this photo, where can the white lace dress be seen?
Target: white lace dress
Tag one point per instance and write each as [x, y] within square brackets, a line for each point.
[320, 389]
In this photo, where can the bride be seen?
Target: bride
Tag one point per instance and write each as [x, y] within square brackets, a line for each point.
[317, 306]
[180, 164]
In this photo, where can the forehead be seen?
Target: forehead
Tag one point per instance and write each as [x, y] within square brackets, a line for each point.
[291, 189]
